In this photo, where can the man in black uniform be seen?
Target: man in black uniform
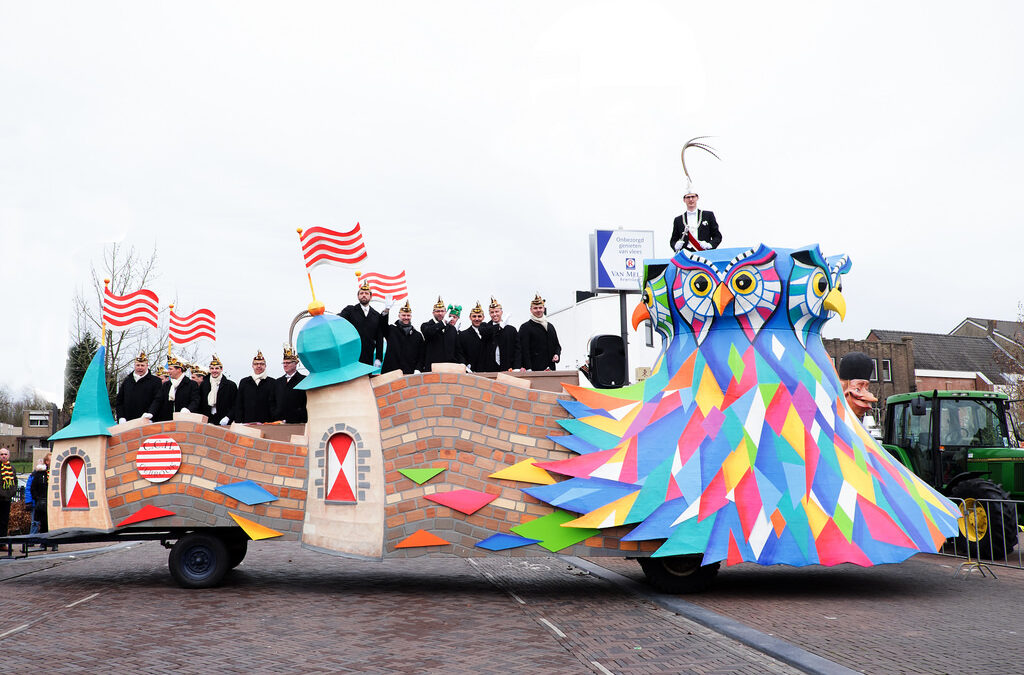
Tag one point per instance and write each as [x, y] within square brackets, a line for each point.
[139, 392]
[367, 322]
[475, 341]
[217, 395]
[538, 339]
[291, 402]
[504, 353]
[405, 344]
[257, 394]
[178, 393]
[441, 339]
[695, 229]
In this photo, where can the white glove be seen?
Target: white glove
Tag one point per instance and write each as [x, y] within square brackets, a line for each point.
[376, 363]
[679, 244]
[148, 416]
[505, 320]
[121, 420]
[185, 410]
[389, 303]
[225, 421]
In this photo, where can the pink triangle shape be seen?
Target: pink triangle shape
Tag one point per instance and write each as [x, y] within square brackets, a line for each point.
[466, 501]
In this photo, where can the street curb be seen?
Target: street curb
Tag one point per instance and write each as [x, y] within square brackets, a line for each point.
[766, 644]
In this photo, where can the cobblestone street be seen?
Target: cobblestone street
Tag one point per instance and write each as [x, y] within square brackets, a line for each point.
[286, 607]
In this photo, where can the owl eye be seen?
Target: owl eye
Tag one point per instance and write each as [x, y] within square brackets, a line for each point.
[743, 283]
[820, 284]
[700, 284]
[647, 297]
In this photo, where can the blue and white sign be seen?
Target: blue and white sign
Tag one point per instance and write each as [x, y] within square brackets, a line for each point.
[617, 259]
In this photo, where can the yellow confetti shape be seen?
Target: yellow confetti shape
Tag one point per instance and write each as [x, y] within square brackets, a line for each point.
[856, 476]
[793, 431]
[253, 529]
[736, 465]
[709, 395]
[611, 425]
[609, 515]
[816, 518]
[525, 472]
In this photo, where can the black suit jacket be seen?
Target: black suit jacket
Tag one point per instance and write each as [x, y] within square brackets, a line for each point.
[441, 344]
[185, 396]
[707, 230]
[474, 348]
[227, 392]
[291, 402]
[255, 402]
[136, 398]
[404, 352]
[371, 331]
[539, 346]
[510, 357]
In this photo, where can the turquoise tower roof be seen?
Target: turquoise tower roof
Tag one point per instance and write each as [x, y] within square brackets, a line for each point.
[329, 347]
[91, 416]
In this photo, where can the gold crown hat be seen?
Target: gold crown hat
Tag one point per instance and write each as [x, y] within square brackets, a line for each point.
[173, 362]
[289, 355]
[537, 300]
[142, 358]
[160, 371]
[440, 304]
[494, 304]
[259, 356]
[214, 361]
[405, 307]
[478, 309]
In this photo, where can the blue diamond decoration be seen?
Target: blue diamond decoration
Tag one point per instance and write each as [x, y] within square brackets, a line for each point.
[247, 492]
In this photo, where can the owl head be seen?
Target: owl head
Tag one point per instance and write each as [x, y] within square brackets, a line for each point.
[655, 301]
[815, 290]
[744, 288]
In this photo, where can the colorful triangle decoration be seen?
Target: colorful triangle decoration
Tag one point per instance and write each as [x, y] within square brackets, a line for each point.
[525, 471]
[147, 512]
[248, 492]
[421, 538]
[254, 529]
[501, 542]
[466, 501]
[420, 476]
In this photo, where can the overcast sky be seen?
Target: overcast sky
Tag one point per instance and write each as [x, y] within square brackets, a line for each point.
[479, 144]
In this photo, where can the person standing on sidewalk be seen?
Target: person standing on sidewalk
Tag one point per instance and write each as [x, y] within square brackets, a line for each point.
[8, 488]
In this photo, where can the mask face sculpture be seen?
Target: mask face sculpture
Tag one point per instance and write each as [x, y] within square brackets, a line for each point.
[741, 444]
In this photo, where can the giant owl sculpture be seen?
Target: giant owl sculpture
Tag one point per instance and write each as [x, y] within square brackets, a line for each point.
[740, 446]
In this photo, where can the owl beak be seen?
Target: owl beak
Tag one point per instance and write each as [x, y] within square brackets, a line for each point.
[640, 314]
[722, 297]
[836, 302]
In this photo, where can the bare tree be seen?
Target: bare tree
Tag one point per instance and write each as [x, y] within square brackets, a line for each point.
[128, 271]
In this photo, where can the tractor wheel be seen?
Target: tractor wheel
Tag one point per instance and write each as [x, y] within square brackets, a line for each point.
[198, 560]
[988, 526]
[679, 573]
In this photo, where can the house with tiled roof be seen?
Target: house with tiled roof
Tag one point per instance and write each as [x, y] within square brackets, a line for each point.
[948, 361]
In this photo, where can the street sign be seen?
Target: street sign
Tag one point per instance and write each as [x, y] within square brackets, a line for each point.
[617, 259]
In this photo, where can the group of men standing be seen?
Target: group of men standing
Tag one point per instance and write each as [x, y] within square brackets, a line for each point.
[484, 346]
[256, 398]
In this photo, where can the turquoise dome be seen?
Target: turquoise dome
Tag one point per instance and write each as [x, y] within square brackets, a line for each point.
[329, 347]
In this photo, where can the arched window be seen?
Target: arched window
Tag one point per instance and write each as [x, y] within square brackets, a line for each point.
[73, 486]
[341, 469]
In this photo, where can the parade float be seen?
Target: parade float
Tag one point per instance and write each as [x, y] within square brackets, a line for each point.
[740, 447]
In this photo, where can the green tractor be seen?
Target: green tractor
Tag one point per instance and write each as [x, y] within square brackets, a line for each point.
[964, 444]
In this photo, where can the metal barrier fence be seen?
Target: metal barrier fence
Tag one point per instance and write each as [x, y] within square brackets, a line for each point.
[990, 533]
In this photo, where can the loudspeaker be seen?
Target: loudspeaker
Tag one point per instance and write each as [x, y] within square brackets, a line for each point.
[607, 361]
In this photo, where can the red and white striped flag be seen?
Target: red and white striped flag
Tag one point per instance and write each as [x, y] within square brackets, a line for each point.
[321, 246]
[121, 311]
[384, 285]
[198, 324]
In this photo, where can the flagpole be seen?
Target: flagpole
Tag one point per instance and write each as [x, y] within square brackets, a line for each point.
[103, 318]
[315, 308]
[169, 343]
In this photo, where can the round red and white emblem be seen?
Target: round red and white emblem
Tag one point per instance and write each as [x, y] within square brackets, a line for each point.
[158, 459]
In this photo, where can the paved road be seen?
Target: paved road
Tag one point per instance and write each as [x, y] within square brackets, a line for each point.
[287, 608]
[914, 617]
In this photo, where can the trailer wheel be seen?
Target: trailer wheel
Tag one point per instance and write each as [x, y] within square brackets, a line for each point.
[198, 560]
[988, 529]
[237, 548]
[679, 573]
